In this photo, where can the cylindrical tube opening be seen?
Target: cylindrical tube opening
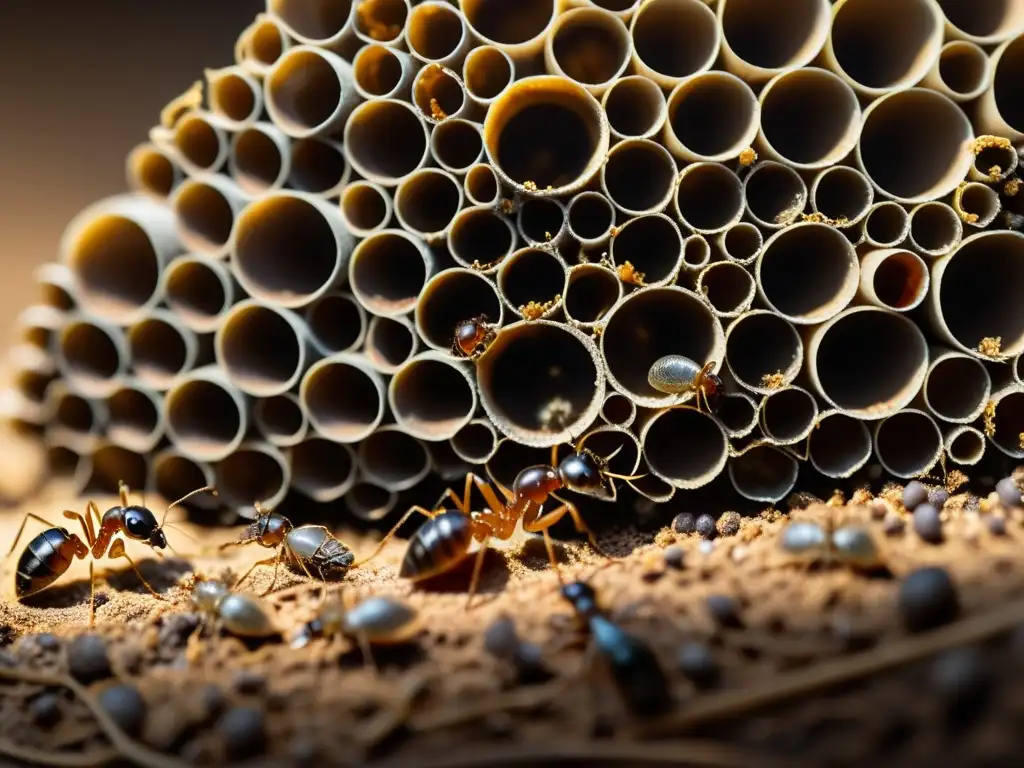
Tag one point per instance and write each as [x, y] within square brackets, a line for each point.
[92, 356]
[369, 502]
[205, 215]
[620, 444]
[531, 276]
[73, 415]
[635, 107]
[446, 463]
[540, 379]
[994, 162]
[152, 172]
[257, 161]
[390, 343]
[256, 472]
[202, 145]
[286, 249]
[644, 327]
[957, 387]
[775, 194]
[174, 475]
[908, 443]
[638, 176]
[480, 237]
[987, 21]
[235, 96]
[136, 421]
[386, 140]
[266, 42]
[206, 419]
[540, 220]
[55, 283]
[317, 166]
[317, 20]
[309, 91]
[1005, 82]
[546, 134]
[322, 469]
[618, 410]
[280, 419]
[378, 71]
[788, 415]
[380, 20]
[895, 279]
[712, 116]
[887, 224]
[591, 291]
[935, 228]
[914, 145]
[810, 118]
[476, 442]
[963, 68]
[589, 46]
[508, 24]
[456, 145]
[709, 198]
[965, 445]
[438, 93]
[763, 474]
[366, 207]
[1009, 422]
[652, 244]
[675, 38]
[590, 216]
[988, 265]
[760, 346]
[488, 71]
[452, 297]
[431, 397]
[839, 445]
[343, 397]
[842, 194]
[427, 201]
[112, 465]
[262, 348]
[393, 459]
[978, 204]
[742, 243]
[510, 457]
[890, 54]
[684, 447]
[387, 272]
[728, 287]
[435, 31]
[198, 291]
[482, 186]
[870, 362]
[774, 36]
[337, 322]
[808, 272]
[737, 413]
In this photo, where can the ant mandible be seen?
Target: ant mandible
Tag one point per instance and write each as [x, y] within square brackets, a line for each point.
[49, 555]
[448, 536]
[679, 375]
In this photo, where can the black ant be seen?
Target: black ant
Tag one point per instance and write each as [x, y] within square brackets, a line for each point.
[473, 336]
[49, 555]
[639, 676]
[678, 375]
[449, 534]
[307, 546]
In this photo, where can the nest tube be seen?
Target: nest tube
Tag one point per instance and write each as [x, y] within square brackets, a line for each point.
[985, 23]
[518, 30]
[426, 203]
[482, 187]
[456, 145]
[206, 417]
[481, 238]
[385, 140]
[541, 381]
[761, 40]
[310, 92]
[638, 177]
[1007, 416]
[116, 250]
[383, 72]
[590, 217]
[432, 396]
[956, 387]
[728, 287]
[68, 468]
[618, 410]
[653, 246]
[842, 194]
[57, 286]
[73, 420]
[280, 419]
[531, 281]
[450, 297]
[990, 266]
[962, 71]
[326, 23]
[774, 195]
[867, 361]
[388, 271]
[369, 502]
[336, 322]
[199, 290]
[763, 473]
[390, 343]
[542, 222]
[893, 278]
[647, 325]
[136, 417]
[591, 291]
[162, 347]
[999, 112]
[366, 208]
[674, 40]
[393, 459]
[839, 445]
[708, 198]
[935, 229]
[636, 108]
[590, 46]
[684, 447]
[439, 94]
[436, 33]
[261, 44]
[319, 167]
[741, 243]
[234, 95]
[205, 207]
[994, 161]
[964, 445]
[343, 397]
[787, 415]
[153, 171]
[200, 140]
[382, 21]
[475, 443]
[112, 465]
[321, 469]
[91, 355]
[260, 158]
[487, 72]
[712, 117]
[256, 472]
[886, 225]
[977, 204]
[908, 443]
[172, 474]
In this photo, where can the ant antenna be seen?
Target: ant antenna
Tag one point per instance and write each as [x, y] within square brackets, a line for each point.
[613, 454]
[186, 497]
[174, 527]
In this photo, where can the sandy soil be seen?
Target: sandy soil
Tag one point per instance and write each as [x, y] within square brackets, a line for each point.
[816, 667]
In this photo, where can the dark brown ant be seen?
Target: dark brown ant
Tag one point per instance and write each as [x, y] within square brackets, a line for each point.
[473, 336]
[307, 547]
[449, 534]
[49, 555]
[679, 375]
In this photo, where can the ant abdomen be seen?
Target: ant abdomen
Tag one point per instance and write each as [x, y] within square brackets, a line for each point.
[46, 558]
[437, 545]
[316, 546]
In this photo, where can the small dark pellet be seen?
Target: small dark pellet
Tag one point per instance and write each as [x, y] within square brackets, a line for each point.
[705, 527]
[248, 682]
[47, 641]
[938, 497]
[893, 525]
[87, 659]
[996, 524]
[928, 599]
[729, 524]
[1009, 493]
[914, 494]
[125, 706]
[725, 610]
[177, 628]
[928, 524]
[45, 710]
[244, 732]
[684, 522]
[964, 681]
[698, 665]
[500, 638]
[674, 556]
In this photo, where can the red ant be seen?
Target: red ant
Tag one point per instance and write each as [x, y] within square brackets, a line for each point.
[448, 535]
[473, 336]
[49, 555]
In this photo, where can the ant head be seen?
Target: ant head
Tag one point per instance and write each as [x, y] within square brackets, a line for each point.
[141, 524]
[584, 472]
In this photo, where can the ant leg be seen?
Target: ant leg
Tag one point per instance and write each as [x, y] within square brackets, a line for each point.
[490, 496]
[277, 565]
[581, 526]
[122, 491]
[367, 652]
[117, 550]
[266, 561]
[92, 592]
[90, 535]
[550, 546]
[478, 565]
[390, 534]
[21, 530]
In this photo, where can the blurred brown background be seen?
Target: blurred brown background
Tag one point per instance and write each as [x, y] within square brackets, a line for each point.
[82, 82]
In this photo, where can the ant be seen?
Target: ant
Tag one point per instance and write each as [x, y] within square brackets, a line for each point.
[378, 620]
[307, 546]
[679, 375]
[240, 614]
[449, 534]
[49, 555]
[637, 673]
[473, 336]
